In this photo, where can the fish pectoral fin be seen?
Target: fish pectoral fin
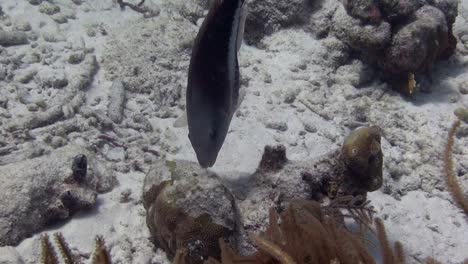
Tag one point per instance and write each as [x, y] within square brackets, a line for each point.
[181, 121]
[240, 30]
[240, 98]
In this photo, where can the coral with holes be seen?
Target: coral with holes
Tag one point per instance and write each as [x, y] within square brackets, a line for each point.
[402, 37]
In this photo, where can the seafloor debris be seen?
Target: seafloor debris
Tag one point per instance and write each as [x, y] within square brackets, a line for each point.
[116, 102]
[13, 38]
[54, 196]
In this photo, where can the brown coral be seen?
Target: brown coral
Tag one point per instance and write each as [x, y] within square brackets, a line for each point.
[363, 157]
[450, 174]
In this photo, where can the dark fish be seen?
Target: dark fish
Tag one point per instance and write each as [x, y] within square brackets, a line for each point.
[213, 79]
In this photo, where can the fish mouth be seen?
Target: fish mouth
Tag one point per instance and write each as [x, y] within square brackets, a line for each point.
[206, 162]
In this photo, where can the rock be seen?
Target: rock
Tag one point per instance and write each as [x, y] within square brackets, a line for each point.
[190, 10]
[76, 57]
[398, 10]
[356, 74]
[35, 2]
[116, 102]
[13, 38]
[413, 48]
[60, 18]
[57, 142]
[448, 7]
[279, 126]
[37, 190]
[115, 154]
[337, 52]
[22, 25]
[25, 76]
[52, 36]
[310, 127]
[48, 8]
[187, 207]
[51, 78]
[273, 159]
[83, 77]
[125, 195]
[402, 37]
[463, 87]
[360, 36]
[291, 95]
[366, 10]
[462, 114]
[267, 16]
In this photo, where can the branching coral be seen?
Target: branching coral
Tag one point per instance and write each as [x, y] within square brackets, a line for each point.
[307, 232]
[49, 255]
[450, 174]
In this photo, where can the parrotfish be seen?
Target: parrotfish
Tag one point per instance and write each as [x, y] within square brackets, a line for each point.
[213, 79]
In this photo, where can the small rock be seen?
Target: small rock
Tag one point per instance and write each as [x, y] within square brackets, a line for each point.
[125, 196]
[52, 37]
[279, 126]
[462, 114]
[60, 18]
[309, 127]
[57, 142]
[267, 78]
[33, 108]
[291, 95]
[453, 98]
[22, 26]
[116, 154]
[48, 8]
[26, 76]
[13, 38]
[76, 58]
[91, 32]
[463, 88]
[35, 2]
[52, 78]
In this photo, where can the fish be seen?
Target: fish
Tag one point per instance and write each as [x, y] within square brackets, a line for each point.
[212, 95]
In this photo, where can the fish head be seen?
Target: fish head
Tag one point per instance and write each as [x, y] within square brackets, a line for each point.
[207, 136]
